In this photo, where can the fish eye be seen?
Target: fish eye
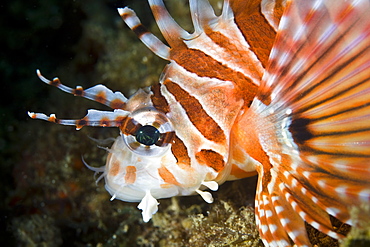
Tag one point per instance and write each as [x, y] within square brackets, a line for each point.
[147, 135]
[147, 132]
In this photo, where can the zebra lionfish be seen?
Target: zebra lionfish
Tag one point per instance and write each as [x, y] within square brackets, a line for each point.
[281, 88]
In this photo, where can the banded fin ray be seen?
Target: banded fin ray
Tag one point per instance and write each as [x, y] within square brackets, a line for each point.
[169, 28]
[312, 117]
[98, 93]
[149, 39]
[93, 118]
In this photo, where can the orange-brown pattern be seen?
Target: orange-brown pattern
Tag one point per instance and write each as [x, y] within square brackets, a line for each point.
[275, 87]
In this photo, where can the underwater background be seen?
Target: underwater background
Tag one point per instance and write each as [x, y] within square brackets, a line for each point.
[48, 196]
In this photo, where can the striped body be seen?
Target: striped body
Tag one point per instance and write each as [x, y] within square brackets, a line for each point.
[242, 95]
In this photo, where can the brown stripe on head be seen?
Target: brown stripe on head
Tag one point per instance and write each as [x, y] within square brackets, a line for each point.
[167, 176]
[211, 159]
[256, 30]
[203, 65]
[197, 115]
[242, 58]
[158, 100]
[180, 152]
[279, 9]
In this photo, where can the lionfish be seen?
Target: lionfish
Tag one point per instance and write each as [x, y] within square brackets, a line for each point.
[278, 88]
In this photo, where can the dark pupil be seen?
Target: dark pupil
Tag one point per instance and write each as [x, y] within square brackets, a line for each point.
[147, 135]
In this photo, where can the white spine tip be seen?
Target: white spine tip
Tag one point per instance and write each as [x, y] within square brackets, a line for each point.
[31, 114]
[41, 77]
[124, 10]
[120, 11]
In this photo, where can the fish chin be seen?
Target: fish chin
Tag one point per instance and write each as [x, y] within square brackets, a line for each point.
[129, 176]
